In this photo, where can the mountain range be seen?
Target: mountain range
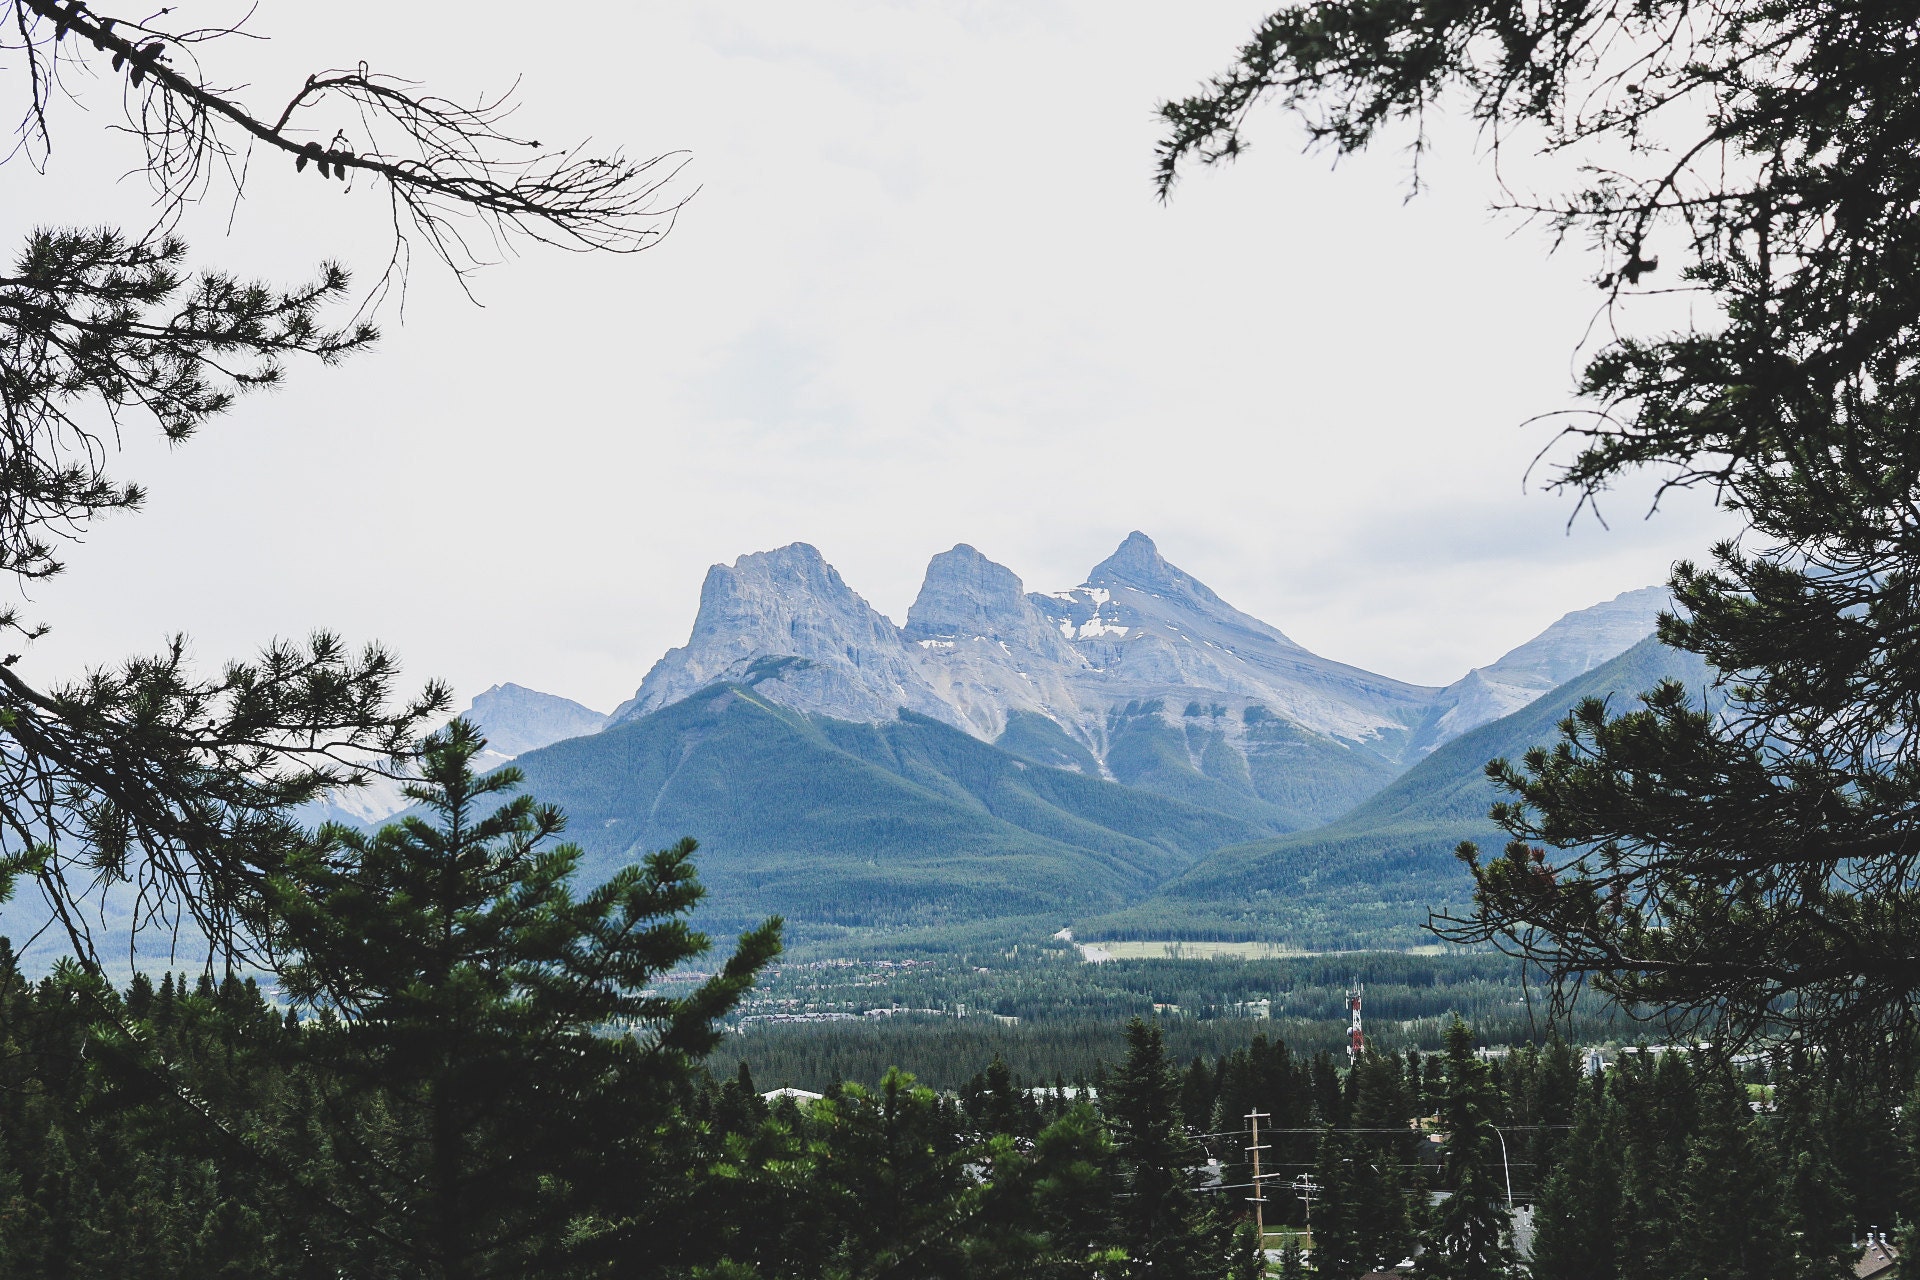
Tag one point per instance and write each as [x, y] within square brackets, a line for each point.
[1141, 675]
[1133, 756]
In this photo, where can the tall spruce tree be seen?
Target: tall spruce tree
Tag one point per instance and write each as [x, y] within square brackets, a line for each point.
[1753, 858]
[1656, 1104]
[1166, 1230]
[1731, 1224]
[1544, 1088]
[1340, 1245]
[890, 1177]
[500, 1025]
[1266, 1077]
[1470, 1236]
[1576, 1221]
[1814, 1203]
[1384, 1150]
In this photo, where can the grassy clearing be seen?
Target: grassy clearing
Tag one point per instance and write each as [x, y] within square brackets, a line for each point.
[1175, 949]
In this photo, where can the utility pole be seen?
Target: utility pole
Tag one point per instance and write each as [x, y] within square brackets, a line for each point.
[1305, 1187]
[1254, 1118]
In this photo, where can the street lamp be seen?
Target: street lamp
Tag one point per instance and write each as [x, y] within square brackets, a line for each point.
[1504, 1166]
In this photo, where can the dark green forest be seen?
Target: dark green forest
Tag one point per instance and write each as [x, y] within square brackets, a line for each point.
[191, 1128]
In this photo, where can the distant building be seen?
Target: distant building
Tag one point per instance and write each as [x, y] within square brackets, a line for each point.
[1878, 1260]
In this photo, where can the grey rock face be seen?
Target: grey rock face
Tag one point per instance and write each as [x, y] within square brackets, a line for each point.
[966, 594]
[850, 661]
[1148, 628]
[989, 652]
[1143, 659]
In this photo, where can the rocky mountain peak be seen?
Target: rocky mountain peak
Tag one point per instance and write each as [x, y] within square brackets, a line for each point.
[966, 594]
[851, 661]
[1137, 563]
[1141, 638]
[517, 719]
[796, 567]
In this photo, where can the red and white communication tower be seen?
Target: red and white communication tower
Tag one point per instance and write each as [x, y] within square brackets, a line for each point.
[1356, 1039]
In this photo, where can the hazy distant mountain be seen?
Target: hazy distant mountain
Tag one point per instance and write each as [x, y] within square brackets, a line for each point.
[514, 718]
[517, 719]
[1576, 644]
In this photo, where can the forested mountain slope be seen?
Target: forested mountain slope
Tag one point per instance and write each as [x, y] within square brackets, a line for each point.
[837, 824]
[1370, 878]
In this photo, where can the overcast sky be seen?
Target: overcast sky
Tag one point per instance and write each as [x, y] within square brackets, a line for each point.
[923, 294]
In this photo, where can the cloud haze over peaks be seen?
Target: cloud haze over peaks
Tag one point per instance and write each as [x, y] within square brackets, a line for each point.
[924, 295]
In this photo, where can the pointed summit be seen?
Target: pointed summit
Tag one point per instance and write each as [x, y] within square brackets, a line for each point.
[1138, 563]
[1137, 556]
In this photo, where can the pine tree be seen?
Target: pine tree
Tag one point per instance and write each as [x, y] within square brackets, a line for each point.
[1384, 1148]
[739, 1107]
[1339, 1235]
[1071, 1193]
[477, 992]
[1197, 1096]
[1730, 1224]
[1324, 1080]
[993, 1104]
[1555, 1097]
[1813, 1197]
[1249, 1254]
[891, 1175]
[1578, 1214]
[1166, 1230]
[1746, 858]
[1470, 1235]
[1656, 1103]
